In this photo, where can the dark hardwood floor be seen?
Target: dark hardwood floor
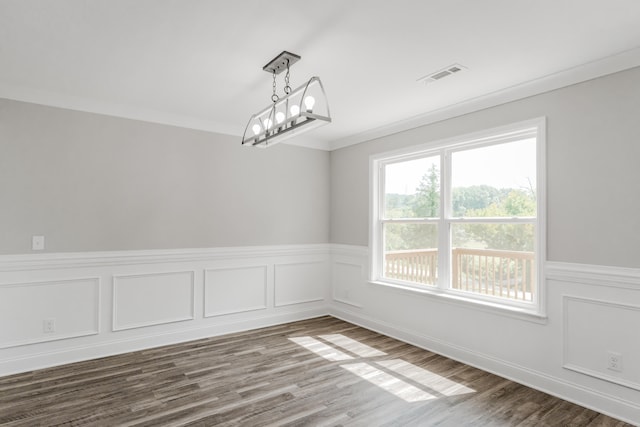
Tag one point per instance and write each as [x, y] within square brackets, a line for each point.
[318, 372]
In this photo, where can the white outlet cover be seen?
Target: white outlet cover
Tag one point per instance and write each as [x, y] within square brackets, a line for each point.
[37, 243]
[614, 361]
[49, 326]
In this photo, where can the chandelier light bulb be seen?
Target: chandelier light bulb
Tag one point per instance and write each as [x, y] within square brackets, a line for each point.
[279, 117]
[309, 102]
[268, 123]
[256, 129]
[295, 110]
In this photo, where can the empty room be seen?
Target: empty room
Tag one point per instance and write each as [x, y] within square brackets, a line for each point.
[337, 213]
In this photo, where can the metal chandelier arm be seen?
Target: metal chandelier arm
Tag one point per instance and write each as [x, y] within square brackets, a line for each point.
[301, 110]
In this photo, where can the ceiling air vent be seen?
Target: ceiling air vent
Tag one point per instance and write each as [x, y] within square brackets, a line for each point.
[441, 74]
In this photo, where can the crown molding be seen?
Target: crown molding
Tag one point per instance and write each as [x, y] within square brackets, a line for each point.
[97, 106]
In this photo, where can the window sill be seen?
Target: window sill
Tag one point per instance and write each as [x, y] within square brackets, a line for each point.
[506, 310]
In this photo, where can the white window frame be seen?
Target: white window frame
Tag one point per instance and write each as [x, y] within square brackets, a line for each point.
[445, 148]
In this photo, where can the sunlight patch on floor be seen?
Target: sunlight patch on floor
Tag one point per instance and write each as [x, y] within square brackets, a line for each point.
[426, 378]
[388, 382]
[396, 376]
[355, 347]
[321, 349]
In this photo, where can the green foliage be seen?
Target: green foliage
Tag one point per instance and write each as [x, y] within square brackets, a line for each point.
[515, 237]
[475, 197]
[510, 237]
[478, 201]
[400, 237]
[520, 203]
[399, 205]
[427, 203]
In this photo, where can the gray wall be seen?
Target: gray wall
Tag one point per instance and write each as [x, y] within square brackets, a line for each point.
[593, 169]
[89, 182]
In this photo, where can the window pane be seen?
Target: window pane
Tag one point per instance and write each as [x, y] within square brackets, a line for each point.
[412, 189]
[495, 181]
[494, 259]
[411, 252]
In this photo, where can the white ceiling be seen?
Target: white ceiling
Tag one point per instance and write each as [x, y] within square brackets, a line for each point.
[198, 63]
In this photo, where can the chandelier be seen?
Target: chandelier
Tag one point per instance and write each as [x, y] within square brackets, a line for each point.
[296, 112]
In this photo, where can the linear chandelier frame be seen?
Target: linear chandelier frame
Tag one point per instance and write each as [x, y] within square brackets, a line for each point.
[298, 111]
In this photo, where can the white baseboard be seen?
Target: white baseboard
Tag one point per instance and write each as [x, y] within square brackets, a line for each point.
[71, 354]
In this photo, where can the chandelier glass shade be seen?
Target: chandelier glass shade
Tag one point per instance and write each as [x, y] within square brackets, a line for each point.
[300, 110]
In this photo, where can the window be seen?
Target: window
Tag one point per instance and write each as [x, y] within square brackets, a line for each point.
[463, 217]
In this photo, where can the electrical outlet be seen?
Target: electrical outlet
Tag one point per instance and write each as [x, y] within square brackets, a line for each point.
[614, 361]
[49, 326]
[37, 243]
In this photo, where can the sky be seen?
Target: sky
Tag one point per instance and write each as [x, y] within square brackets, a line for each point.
[509, 165]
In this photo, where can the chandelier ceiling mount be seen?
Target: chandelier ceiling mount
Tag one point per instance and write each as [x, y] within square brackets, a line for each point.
[281, 62]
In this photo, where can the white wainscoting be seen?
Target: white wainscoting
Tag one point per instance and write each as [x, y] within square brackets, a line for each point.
[114, 302]
[591, 309]
[347, 279]
[235, 290]
[152, 299]
[25, 306]
[301, 282]
[592, 329]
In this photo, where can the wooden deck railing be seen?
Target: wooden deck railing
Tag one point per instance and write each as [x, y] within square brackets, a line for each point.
[505, 274]
[418, 266]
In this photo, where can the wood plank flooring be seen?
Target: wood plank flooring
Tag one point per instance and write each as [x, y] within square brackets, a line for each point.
[317, 372]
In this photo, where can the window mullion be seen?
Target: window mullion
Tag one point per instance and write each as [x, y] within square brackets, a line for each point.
[494, 220]
[380, 220]
[444, 227]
